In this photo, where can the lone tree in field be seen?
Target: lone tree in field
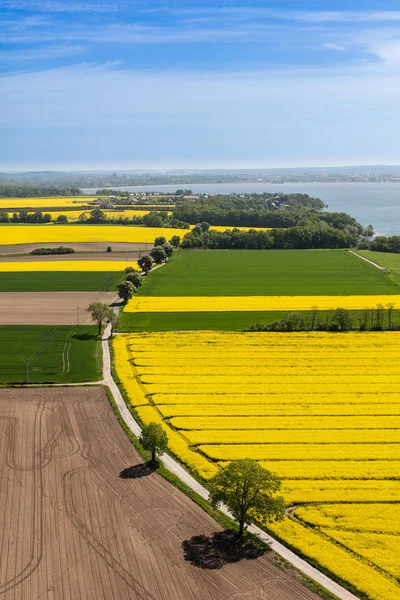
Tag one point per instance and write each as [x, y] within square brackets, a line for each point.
[154, 439]
[126, 289]
[158, 254]
[100, 313]
[145, 263]
[246, 488]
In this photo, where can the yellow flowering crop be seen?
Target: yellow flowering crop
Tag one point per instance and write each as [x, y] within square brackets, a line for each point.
[64, 265]
[22, 203]
[321, 410]
[73, 215]
[26, 234]
[253, 303]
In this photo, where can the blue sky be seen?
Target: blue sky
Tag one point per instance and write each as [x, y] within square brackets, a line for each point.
[186, 83]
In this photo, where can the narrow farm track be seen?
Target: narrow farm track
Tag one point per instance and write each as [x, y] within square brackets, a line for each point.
[72, 528]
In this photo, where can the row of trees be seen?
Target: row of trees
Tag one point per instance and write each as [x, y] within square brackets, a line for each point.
[380, 318]
[24, 217]
[322, 236]
[382, 244]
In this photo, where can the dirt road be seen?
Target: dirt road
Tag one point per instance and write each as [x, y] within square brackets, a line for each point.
[73, 528]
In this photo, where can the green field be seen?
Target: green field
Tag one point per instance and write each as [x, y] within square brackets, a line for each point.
[384, 259]
[267, 273]
[62, 281]
[55, 354]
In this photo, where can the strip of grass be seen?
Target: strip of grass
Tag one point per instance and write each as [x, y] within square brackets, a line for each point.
[64, 354]
[220, 321]
[388, 260]
[66, 281]
[267, 273]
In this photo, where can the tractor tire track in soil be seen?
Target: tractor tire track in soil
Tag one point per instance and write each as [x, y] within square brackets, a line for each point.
[72, 528]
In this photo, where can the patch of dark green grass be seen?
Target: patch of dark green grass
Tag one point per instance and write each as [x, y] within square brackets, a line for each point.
[60, 354]
[62, 281]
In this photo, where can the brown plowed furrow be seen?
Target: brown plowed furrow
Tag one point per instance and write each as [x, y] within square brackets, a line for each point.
[72, 529]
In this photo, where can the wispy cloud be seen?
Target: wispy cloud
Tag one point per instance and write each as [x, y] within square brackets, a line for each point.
[335, 47]
[42, 53]
[50, 6]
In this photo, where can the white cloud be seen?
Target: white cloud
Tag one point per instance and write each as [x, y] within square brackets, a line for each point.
[335, 47]
[41, 53]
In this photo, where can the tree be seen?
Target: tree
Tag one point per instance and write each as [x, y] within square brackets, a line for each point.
[97, 215]
[175, 241]
[246, 488]
[154, 439]
[112, 319]
[135, 278]
[342, 318]
[145, 263]
[390, 308]
[168, 249]
[99, 312]
[158, 255]
[130, 270]
[160, 240]
[61, 219]
[126, 290]
[83, 217]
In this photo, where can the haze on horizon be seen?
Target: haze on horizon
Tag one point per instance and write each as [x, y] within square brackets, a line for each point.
[173, 84]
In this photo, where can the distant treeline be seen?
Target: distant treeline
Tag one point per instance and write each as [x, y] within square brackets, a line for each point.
[29, 191]
[380, 318]
[382, 244]
[266, 210]
[290, 238]
[24, 217]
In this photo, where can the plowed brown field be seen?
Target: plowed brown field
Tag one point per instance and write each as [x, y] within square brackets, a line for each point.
[71, 528]
[49, 308]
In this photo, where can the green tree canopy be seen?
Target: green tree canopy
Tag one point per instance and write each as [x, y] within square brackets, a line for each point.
[246, 488]
[100, 313]
[126, 290]
[154, 439]
[145, 263]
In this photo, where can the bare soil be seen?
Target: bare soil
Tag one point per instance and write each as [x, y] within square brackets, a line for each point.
[49, 308]
[73, 529]
[129, 257]
[78, 247]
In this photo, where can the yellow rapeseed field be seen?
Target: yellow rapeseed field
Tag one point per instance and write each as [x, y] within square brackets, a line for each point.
[22, 203]
[64, 265]
[253, 303]
[73, 215]
[321, 410]
[26, 234]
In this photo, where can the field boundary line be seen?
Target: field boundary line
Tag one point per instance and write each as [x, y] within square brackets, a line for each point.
[174, 467]
[371, 262]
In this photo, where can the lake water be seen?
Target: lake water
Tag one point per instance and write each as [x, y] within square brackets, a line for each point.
[377, 204]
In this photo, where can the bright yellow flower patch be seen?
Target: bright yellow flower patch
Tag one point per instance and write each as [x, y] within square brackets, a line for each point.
[64, 265]
[22, 203]
[26, 234]
[321, 410]
[254, 303]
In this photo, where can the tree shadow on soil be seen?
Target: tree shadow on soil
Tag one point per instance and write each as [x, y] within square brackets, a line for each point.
[221, 548]
[137, 471]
